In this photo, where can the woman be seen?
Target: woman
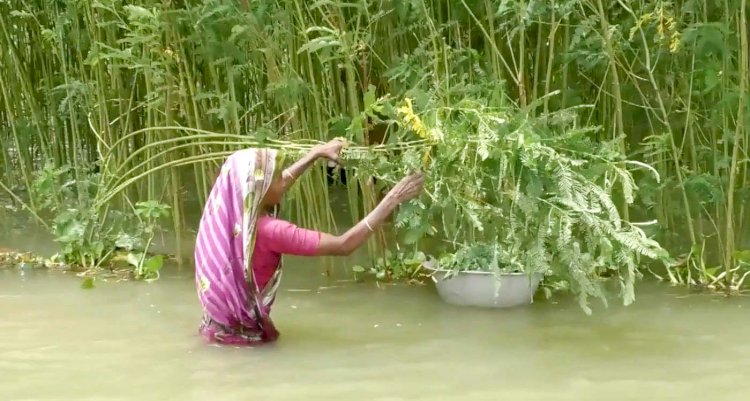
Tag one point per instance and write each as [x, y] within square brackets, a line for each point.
[239, 244]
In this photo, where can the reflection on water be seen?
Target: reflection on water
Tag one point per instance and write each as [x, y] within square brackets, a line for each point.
[137, 341]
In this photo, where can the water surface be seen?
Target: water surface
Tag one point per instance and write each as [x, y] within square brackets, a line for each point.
[349, 341]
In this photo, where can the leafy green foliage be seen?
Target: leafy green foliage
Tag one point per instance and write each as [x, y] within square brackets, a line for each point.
[398, 266]
[149, 213]
[481, 257]
[518, 194]
[99, 81]
[89, 240]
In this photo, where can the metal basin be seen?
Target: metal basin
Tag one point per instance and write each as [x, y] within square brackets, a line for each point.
[485, 289]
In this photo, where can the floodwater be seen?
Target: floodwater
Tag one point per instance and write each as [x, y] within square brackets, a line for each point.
[343, 340]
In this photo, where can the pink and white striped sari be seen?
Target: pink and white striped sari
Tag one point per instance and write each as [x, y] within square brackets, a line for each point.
[236, 304]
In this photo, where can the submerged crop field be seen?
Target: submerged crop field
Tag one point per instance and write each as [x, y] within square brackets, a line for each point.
[592, 141]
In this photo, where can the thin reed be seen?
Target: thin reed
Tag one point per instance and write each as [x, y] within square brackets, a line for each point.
[129, 90]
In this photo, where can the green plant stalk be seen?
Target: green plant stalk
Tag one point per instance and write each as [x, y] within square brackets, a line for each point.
[497, 52]
[539, 55]
[118, 89]
[566, 68]
[201, 180]
[550, 61]
[492, 36]
[26, 86]
[174, 181]
[616, 90]
[690, 133]
[24, 164]
[521, 76]
[739, 134]
[665, 121]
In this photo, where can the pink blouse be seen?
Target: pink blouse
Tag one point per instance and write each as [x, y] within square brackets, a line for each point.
[276, 237]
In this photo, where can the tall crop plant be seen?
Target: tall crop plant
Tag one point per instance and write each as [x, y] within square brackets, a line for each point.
[112, 90]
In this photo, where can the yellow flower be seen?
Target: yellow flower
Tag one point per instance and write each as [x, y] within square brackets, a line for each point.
[411, 120]
[674, 44]
[666, 27]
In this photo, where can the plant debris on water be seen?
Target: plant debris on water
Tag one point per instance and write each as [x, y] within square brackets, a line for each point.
[26, 260]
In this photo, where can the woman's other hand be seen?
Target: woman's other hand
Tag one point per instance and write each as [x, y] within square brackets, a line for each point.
[408, 188]
[331, 150]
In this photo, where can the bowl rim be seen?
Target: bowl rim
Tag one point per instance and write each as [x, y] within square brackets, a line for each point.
[428, 264]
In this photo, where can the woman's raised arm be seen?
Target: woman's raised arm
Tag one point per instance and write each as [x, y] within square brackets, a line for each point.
[408, 188]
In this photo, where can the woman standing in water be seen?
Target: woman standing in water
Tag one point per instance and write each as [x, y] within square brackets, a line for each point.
[240, 243]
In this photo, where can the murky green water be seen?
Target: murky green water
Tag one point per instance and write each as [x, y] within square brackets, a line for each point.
[137, 341]
[349, 341]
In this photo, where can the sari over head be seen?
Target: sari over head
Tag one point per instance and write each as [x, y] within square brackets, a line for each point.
[236, 303]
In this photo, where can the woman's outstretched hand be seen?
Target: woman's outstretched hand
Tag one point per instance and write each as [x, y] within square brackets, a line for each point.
[408, 188]
[331, 150]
